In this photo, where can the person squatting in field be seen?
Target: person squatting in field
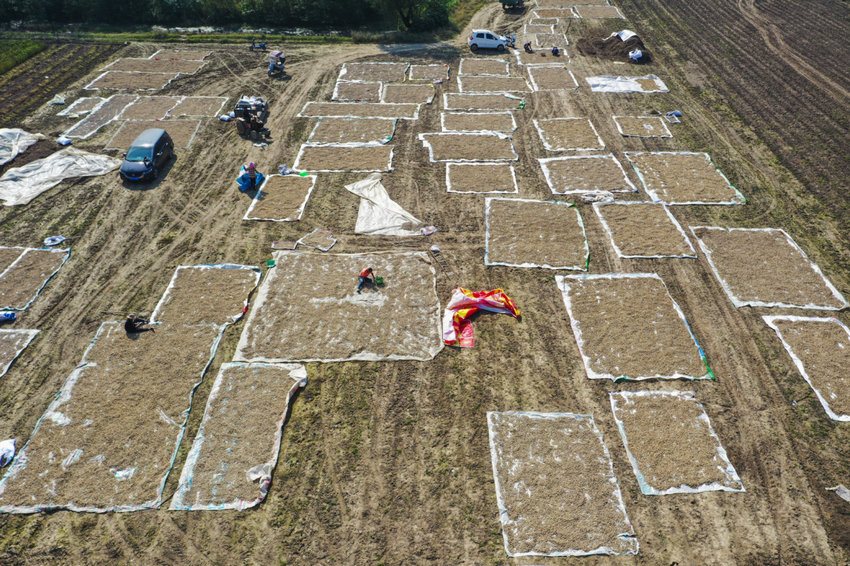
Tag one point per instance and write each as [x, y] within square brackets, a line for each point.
[364, 278]
[134, 325]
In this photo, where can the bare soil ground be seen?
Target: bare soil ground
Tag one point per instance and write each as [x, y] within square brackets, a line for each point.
[389, 462]
[181, 131]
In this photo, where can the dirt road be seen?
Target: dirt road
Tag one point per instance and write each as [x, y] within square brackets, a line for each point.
[389, 463]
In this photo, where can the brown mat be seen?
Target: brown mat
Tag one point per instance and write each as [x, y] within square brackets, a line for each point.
[820, 348]
[598, 12]
[764, 267]
[585, 174]
[480, 178]
[560, 134]
[367, 92]
[359, 110]
[119, 80]
[282, 198]
[627, 326]
[202, 294]
[308, 309]
[373, 72]
[478, 122]
[532, 233]
[493, 84]
[555, 486]
[428, 72]
[683, 178]
[149, 108]
[552, 78]
[645, 230]
[450, 146]
[461, 101]
[22, 282]
[643, 126]
[418, 94]
[199, 106]
[671, 444]
[109, 111]
[339, 158]
[352, 130]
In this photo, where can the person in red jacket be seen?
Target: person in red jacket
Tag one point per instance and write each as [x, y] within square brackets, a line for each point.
[364, 277]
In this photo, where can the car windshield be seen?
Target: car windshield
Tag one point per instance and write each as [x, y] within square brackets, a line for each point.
[138, 153]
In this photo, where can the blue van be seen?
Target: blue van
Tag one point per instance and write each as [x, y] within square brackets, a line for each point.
[146, 155]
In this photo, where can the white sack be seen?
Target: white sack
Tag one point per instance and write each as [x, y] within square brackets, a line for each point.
[22, 184]
[379, 215]
[7, 452]
[625, 35]
[15, 141]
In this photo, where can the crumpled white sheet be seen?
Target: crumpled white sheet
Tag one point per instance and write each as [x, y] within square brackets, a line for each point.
[379, 215]
[624, 35]
[14, 141]
[22, 184]
[840, 490]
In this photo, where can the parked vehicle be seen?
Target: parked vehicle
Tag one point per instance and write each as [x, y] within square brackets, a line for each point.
[251, 115]
[485, 39]
[259, 46]
[147, 155]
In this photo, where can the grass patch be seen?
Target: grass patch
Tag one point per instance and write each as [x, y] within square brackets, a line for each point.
[13, 53]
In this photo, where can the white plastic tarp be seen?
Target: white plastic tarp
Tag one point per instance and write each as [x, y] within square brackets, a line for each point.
[379, 215]
[14, 141]
[624, 35]
[22, 184]
[610, 83]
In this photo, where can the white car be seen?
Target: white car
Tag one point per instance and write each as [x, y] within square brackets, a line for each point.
[485, 39]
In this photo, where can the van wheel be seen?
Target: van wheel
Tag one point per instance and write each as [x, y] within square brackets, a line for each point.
[473, 47]
[500, 47]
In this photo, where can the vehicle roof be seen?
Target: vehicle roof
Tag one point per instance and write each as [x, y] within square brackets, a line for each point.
[484, 30]
[148, 138]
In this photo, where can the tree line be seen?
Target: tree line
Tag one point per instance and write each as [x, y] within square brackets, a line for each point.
[416, 15]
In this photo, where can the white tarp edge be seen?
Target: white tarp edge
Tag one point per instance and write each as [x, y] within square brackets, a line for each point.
[771, 322]
[22, 184]
[24, 338]
[14, 141]
[610, 83]
[721, 458]
[379, 215]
